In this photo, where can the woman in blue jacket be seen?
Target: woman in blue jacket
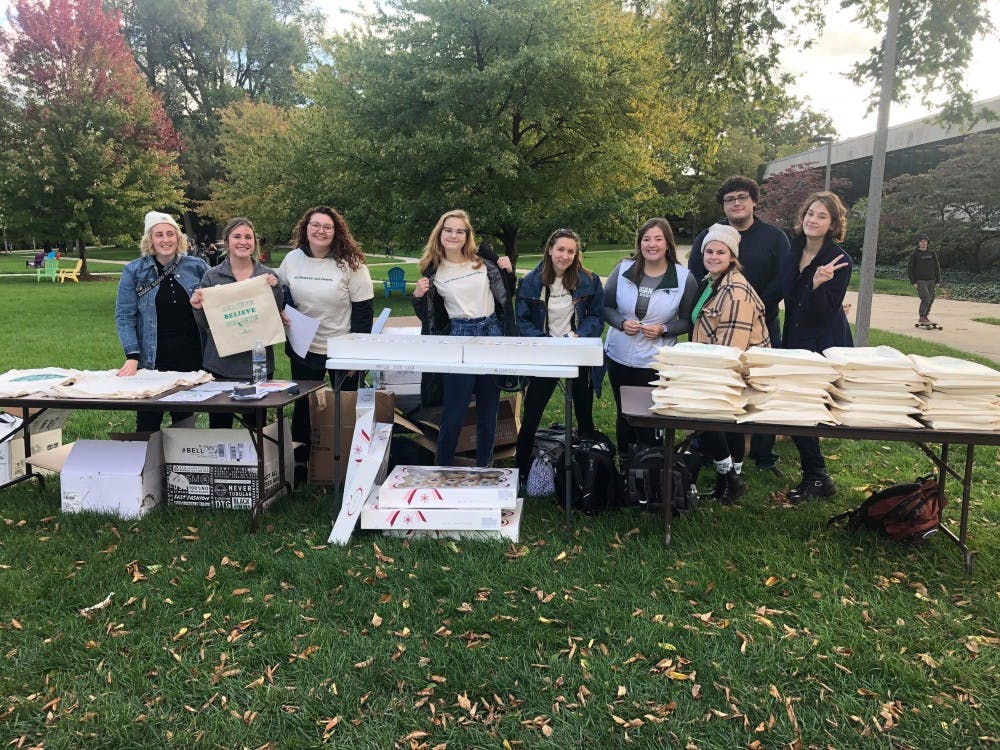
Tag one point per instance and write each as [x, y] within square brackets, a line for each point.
[153, 313]
[559, 298]
[814, 283]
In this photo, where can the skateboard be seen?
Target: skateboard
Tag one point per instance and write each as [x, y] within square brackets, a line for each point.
[929, 326]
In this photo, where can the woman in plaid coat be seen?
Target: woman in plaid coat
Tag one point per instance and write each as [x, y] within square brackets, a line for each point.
[730, 313]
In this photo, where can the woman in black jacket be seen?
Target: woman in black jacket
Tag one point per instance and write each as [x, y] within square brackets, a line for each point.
[461, 294]
[814, 283]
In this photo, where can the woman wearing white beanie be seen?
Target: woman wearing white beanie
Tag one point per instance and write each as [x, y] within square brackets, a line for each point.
[728, 312]
[153, 314]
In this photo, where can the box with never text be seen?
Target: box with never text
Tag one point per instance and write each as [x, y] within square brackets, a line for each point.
[122, 477]
[321, 412]
[218, 468]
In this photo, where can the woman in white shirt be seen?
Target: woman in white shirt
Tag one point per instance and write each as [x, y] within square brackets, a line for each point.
[328, 280]
[461, 294]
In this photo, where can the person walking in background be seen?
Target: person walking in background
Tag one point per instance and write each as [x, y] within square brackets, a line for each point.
[153, 314]
[924, 272]
[814, 283]
[559, 298]
[327, 279]
[764, 251]
[461, 294]
[729, 313]
[648, 300]
[239, 264]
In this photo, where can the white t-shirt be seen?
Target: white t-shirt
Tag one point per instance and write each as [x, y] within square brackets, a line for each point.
[324, 289]
[464, 289]
[560, 309]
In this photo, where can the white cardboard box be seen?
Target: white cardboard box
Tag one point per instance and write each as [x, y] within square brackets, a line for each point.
[46, 434]
[428, 487]
[362, 481]
[218, 468]
[374, 516]
[533, 350]
[121, 477]
[395, 347]
[510, 528]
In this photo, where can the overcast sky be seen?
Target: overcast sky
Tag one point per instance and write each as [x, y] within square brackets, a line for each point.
[819, 71]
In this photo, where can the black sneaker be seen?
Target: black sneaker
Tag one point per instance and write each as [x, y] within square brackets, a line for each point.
[729, 487]
[812, 487]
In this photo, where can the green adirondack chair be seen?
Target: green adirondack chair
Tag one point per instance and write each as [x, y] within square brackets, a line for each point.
[47, 271]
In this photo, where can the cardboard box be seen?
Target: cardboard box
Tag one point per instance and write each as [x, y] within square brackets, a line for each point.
[425, 427]
[510, 528]
[321, 411]
[376, 516]
[534, 350]
[124, 478]
[46, 434]
[393, 347]
[218, 468]
[361, 485]
[436, 487]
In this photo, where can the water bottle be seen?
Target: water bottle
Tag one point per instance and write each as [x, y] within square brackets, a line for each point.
[258, 369]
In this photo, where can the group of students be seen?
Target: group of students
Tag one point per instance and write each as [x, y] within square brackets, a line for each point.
[648, 300]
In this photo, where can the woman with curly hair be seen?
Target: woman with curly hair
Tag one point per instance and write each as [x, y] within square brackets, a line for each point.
[327, 280]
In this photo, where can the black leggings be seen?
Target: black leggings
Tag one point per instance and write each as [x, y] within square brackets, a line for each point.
[719, 445]
[619, 375]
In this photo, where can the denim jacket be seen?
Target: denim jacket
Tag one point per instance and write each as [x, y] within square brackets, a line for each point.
[588, 311]
[135, 316]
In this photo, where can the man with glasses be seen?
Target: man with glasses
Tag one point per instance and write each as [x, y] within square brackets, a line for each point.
[764, 249]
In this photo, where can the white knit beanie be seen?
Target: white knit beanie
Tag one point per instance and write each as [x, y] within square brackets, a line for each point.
[155, 217]
[725, 234]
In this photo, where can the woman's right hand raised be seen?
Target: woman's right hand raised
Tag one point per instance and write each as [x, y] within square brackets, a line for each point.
[423, 284]
[128, 369]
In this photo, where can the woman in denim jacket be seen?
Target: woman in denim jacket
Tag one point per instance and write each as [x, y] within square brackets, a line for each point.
[559, 298]
[156, 325]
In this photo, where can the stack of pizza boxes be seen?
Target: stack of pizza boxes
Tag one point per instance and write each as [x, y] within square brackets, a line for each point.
[452, 501]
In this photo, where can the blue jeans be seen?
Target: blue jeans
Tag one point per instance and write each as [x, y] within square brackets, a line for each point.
[458, 390]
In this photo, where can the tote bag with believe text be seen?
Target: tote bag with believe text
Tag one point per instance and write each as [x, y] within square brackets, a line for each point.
[242, 313]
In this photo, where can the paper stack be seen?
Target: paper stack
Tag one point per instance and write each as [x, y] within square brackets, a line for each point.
[878, 387]
[701, 381]
[445, 499]
[788, 386]
[960, 395]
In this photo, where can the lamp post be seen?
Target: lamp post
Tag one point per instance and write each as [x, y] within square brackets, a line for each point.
[828, 140]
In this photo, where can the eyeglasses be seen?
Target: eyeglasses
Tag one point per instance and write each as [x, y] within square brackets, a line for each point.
[456, 232]
[740, 198]
[317, 227]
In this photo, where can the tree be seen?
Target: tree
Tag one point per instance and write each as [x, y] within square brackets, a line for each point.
[206, 54]
[92, 148]
[516, 111]
[934, 46]
[783, 194]
[956, 203]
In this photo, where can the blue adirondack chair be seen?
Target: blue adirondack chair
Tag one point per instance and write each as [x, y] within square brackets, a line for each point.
[395, 281]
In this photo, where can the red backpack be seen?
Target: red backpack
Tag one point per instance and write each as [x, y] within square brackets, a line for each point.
[904, 512]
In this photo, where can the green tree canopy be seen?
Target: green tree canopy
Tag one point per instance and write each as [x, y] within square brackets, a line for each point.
[517, 111]
[92, 148]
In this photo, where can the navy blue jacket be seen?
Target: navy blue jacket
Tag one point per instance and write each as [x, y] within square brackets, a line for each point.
[532, 311]
[814, 318]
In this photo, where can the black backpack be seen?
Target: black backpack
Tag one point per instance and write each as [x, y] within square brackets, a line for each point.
[643, 477]
[595, 479]
[907, 513]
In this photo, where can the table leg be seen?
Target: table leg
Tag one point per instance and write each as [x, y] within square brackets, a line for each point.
[568, 453]
[961, 540]
[283, 482]
[667, 484]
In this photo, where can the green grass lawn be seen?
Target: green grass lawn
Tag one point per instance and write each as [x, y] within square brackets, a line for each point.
[990, 321]
[758, 627]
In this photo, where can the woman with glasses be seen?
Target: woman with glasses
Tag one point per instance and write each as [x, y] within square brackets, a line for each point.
[648, 299]
[460, 294]
[327, 280]
[559, 298]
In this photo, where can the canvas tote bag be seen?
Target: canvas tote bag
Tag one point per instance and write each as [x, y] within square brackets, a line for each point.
[242, 313]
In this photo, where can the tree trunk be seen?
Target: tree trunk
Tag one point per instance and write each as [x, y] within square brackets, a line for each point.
[81, 253]
[508, 236]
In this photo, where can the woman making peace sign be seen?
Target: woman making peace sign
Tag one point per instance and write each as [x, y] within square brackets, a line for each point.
[814, 284]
